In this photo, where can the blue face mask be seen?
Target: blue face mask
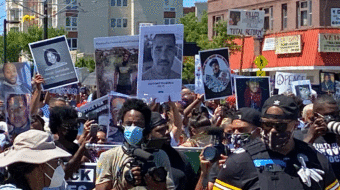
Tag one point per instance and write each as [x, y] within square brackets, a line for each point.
[133, 134]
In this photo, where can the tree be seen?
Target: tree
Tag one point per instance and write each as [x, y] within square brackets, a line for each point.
[87, 62]
[17, 42]
[188, 75]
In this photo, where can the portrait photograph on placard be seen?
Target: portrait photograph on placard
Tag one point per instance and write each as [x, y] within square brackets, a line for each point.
[116, 101]
[53, 61]
[17, 113]
[303, 90]
[117, 64]
[216, 73]
[160, 62]
[252, 92]
[327, 83]
[16, 79]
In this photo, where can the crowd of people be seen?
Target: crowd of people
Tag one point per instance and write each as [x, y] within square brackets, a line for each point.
[288, 145]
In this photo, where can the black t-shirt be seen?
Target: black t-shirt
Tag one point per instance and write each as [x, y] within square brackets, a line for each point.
[72, 149]
[326, 145]
[239, 171]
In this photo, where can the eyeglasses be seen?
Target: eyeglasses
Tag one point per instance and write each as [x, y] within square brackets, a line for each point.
[279, 126]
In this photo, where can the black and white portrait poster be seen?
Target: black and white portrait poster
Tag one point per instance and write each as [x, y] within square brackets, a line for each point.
[216, 73]
[160, 62]
[17, 113]
[251, 91]
[116, 64]
[116, 101]
[16, 79]
[303, 90]
[53, 61]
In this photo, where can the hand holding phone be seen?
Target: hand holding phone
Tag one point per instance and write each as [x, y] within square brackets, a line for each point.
[93, 130]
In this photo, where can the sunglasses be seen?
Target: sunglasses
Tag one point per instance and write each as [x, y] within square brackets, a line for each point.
[279, 126]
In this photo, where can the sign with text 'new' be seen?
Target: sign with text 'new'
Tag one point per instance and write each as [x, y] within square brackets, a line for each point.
[245, 22]
[329, 43]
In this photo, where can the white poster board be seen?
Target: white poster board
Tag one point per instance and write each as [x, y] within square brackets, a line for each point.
[269, 44]
[303, 90]
[245, 22]
[160, 62]
[284, 80]
[199, 88]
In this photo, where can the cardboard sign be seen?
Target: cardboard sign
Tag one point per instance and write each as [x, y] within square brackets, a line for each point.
[245, 22]
[84, 178]
[283, 80]
[199, 88]
[53, 61]
[99, 107]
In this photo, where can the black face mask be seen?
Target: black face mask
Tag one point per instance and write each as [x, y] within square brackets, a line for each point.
[70, 135]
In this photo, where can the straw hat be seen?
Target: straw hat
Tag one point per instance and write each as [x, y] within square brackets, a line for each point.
[32, 146]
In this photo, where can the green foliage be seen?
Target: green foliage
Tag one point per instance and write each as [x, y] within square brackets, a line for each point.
[188, 75]
[87, 62]
[194, 29]
[17, 42]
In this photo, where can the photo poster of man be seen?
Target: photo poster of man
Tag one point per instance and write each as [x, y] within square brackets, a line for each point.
[199, 88]
[303, 90]
[17, 113]
[53, 61]
[15, 78]
[251, 92]
[327, 84]
[216, 73]
[160, 62]
[115, 134]
[97, 109]
[116, 64]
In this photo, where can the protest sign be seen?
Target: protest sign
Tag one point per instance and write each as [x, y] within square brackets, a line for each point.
[116, 64]
[17, 113]
[116, 101]
[216, 73]
[199, 88]
[283, 80]
[251, 92]
[327, 83]
[84, 178]
[99, 108]
[160, 62]
[16, 79]
[245, 22]
[66, 90]
[53, 61]
[303, 90]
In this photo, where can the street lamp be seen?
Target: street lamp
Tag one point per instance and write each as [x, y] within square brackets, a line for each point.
[5, 35]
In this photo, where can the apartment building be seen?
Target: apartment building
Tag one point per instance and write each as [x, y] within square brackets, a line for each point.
[307, 19]
[122, 17]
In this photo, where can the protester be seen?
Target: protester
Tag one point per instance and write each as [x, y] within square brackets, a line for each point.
[317, 133]
[33, 163]
[112, 166]
[63, 122]
[277, 161]
[182, 171]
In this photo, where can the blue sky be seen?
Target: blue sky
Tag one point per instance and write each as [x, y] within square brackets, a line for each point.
[186, 3]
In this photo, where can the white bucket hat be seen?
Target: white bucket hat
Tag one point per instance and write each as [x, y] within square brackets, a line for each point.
[32, 146]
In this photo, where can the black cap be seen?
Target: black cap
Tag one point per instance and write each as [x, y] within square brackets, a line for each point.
[287, 104]
[248, 115]
[156, 120]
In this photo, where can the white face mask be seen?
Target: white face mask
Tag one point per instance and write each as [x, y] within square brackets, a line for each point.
[58, 178]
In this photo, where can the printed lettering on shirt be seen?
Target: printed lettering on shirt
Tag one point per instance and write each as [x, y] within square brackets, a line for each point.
[331, 151]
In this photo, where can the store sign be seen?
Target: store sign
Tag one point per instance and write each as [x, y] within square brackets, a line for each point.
[288, 44]
[245, 22]
[269, 44]
[329, 43]
[335, 17]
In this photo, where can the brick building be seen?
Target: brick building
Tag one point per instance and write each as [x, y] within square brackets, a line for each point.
[306, 19]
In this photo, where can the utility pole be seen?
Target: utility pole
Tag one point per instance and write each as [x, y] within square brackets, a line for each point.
[45, 20]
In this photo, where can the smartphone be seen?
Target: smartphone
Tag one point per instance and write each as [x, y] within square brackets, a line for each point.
[93, 116]
[93, 130]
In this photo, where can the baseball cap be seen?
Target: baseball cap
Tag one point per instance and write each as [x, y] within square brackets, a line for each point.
[248, 115]
[287, 104]
[156, 120]
[32, 146]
